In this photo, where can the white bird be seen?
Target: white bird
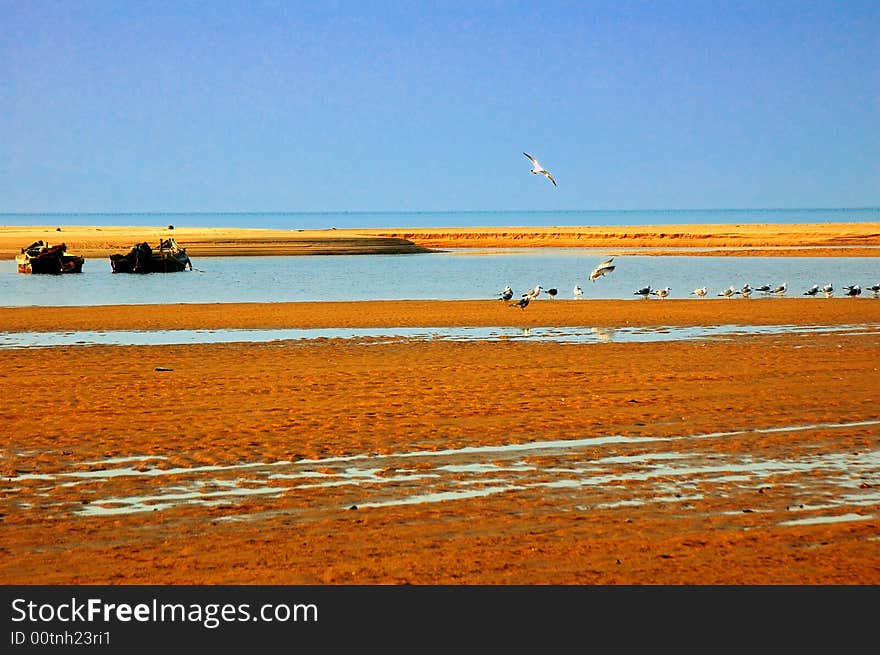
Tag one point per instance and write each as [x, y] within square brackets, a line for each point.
[812, 291]
[828, 290]
[538, 169]
[602, 269]
[746, 290]
[578, 292]
[534, 293]
[780, 290]
[728, 292]
[700, 292]
[644, 292]
[662, 293]
[507, 294]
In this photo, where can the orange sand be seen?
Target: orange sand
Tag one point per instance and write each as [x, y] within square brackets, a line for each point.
[829, 239]
[822, 239]
[100, 242]
[67, 410]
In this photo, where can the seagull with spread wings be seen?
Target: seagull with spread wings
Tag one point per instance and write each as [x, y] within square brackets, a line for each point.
[602, 269]
[538, 169]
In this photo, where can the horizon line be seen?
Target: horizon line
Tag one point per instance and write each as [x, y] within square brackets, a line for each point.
[426, 211]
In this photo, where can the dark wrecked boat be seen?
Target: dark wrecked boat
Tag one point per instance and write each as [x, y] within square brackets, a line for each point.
[168, 257]
[40, 257]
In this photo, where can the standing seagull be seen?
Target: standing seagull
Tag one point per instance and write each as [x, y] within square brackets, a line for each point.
[537, 168]
[552, 293]
[853, 290]
[644, 292]
[780, 290]
[534, 293]
[700, 292]
[746, 290]
[828, 290]
[728, 292]
[507, 294]
[875, 289]
[812, 291]
[522, 303]
[662, 293]
[578, 292]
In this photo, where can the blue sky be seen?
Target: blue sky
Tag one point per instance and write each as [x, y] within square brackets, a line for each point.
[407, 106]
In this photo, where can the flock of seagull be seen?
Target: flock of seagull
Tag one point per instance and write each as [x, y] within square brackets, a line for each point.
[827, 290]
[605, 267]
[506, 294]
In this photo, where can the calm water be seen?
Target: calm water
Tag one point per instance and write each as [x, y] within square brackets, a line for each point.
[452, 275]
[322, 220]
[18, 340]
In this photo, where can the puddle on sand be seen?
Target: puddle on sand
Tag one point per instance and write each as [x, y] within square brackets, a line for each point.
[368, 480]
[573, 335]
[817, 520]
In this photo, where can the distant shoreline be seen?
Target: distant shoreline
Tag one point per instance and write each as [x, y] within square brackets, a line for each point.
[852, 239]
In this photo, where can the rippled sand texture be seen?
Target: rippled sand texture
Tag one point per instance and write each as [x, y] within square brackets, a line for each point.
[752, 461]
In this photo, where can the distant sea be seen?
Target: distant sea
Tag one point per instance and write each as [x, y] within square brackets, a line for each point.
[402, 219]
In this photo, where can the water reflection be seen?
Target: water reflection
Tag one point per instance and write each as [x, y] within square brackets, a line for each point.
[631, 471]
[594, 334]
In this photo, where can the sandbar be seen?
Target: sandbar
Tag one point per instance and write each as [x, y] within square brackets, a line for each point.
[817, 240]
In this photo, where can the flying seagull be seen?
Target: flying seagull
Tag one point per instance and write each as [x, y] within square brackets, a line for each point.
[537, 168]
[602, 269]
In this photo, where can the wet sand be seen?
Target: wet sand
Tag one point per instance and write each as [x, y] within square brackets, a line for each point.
[749, 461]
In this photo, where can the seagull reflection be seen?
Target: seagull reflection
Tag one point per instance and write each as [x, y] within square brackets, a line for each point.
[605, 334]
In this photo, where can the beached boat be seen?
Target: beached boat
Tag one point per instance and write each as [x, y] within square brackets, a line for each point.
[40, 257]
[168, 257]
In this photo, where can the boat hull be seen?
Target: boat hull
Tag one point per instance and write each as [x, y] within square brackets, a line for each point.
[51, 261]
[143, 259]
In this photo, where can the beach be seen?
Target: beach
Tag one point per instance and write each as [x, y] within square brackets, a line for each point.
[746, 460]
